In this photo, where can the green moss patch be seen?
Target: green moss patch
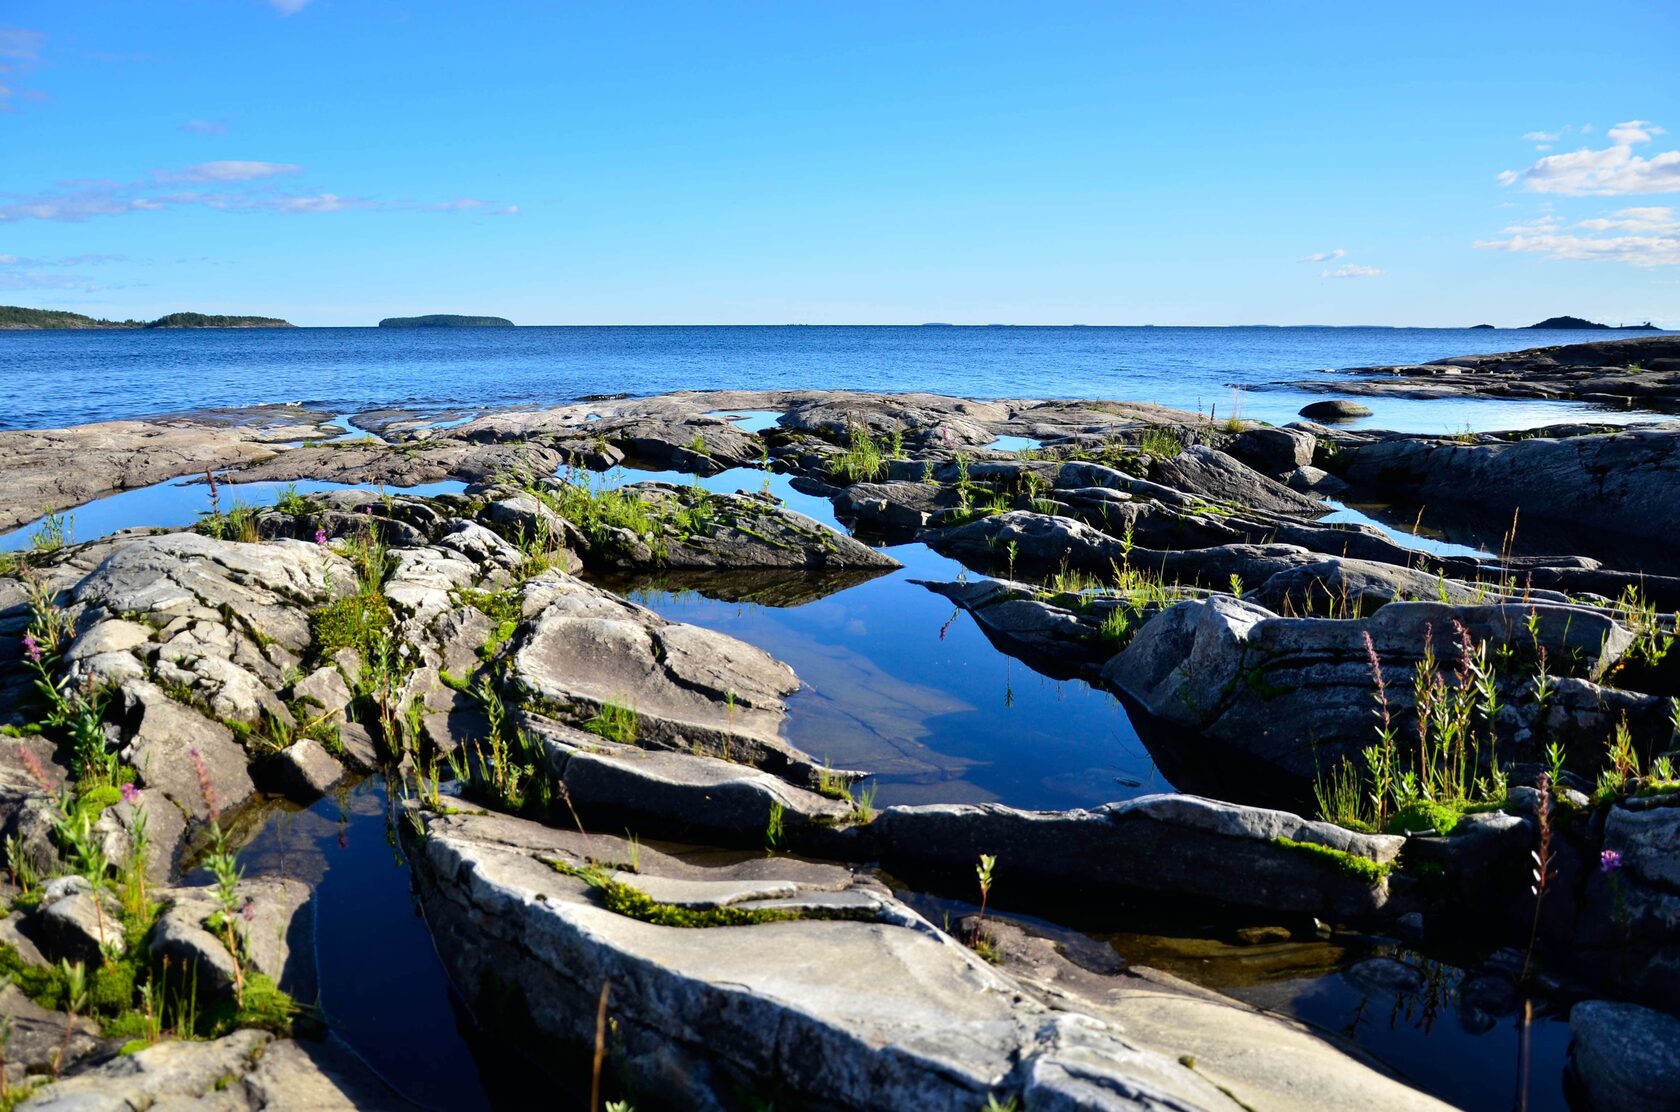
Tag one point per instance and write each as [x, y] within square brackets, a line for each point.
[1424, 815]
[1349, 864]
[632, 903]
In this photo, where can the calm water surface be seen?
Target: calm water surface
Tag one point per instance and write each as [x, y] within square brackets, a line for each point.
[50, 379]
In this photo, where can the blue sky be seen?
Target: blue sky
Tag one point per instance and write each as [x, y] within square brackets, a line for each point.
[336, 161]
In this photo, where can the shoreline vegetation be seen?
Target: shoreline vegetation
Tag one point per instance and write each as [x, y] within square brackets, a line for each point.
[16, 318]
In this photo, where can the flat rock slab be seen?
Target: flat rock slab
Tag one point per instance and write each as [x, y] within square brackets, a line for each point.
[875, 1009]
[582, 648]
[755, 531]
[1171, 845]
[46, 470]
[679, 794]
[1613, 492]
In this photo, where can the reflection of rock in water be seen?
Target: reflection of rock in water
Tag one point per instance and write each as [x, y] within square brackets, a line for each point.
[778, 587]
[1216, 964]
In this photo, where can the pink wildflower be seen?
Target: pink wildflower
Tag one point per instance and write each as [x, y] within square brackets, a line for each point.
[36, 771]
[320, 536]
[32, 648]
[130, 794]
[205, 787]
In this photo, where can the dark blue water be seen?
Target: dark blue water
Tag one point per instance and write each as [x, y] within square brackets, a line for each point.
[51, 379]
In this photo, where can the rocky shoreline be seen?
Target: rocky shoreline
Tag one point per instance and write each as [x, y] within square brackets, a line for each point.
[1640, 373]
[631, 874]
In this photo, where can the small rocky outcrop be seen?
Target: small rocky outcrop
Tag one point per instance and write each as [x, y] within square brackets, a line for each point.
[1610, 490]
[1296, 694]
[1622, 373]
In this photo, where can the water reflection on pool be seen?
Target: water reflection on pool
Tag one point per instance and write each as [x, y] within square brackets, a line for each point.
[899, 682]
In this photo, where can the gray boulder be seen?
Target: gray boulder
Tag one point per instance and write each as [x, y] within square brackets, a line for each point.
[242, 1072]
[1335, 409]
[1294, 694]
[303, 771]
[1171, 845]
[267, 936]
[1209, 473]
[162, 737]
[1625, 1056]
[74, 926]
[1274, 452]
[1610, 493]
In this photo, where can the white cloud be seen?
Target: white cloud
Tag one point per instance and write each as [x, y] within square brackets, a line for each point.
[205, 127]
[473, 204]
[227, 171]
[288, 7]
[1325, 256]
[1647, 237]
[318, 202]
[1352, 271]
[19, 45]
[38, 274]
[1634, 131]
[226, 186]
[20, 50]
[1610, 171]
[1543, 136]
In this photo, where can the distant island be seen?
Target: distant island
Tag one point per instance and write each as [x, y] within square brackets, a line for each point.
[18, 318]
[1578, 323]
[445, 320]
[1474, 327]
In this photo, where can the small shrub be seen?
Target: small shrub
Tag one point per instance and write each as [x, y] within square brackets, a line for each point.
[350, 623]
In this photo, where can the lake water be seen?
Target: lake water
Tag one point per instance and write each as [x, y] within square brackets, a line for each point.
[55, 378]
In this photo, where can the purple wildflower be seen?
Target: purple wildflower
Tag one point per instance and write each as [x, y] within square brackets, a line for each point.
[32, 648]
[320, 536]
[250, 911]
[1609, 861]
[130, 794]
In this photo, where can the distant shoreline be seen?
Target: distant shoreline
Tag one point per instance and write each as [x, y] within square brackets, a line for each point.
[17, 318]
[137, 326]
